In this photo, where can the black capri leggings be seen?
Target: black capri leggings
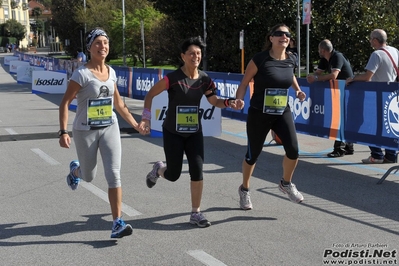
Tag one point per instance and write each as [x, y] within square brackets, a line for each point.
[175, 146]
[259, 125]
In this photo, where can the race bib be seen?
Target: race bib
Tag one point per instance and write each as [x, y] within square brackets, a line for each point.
[187, 119]
[275, 101]
[99, 112]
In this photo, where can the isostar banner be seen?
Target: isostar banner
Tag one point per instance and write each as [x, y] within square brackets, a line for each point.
[49, 82]
[211, 118]
[143, 80]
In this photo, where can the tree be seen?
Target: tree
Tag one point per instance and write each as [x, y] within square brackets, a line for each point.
[224, 20]
[14, 29]
[150, 17]
[64, 23]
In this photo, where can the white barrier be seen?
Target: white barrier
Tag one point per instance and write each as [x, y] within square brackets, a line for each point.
[24, 73]
[211, 119]
[15, 64]
[49, 82]
[9, 58]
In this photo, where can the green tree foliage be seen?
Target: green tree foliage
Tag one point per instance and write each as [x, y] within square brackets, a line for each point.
[348, 24]
[133, 39]
[13, 28]
[64, 23]
[224, 20]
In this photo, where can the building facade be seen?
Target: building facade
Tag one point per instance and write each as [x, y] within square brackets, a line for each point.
[18, 10]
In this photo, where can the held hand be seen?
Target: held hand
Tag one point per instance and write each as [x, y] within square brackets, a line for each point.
[65, 141]
[301, 95]
[233, 104]
[239, 104]
[144, 127]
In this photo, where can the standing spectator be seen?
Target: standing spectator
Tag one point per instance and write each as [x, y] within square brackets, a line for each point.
[272, 73]
[379, 68]
[95, 126]
[185, 86]
[336, 66]
[81, 57]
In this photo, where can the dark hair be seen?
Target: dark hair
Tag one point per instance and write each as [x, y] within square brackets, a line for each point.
[268, 44]
[192, 41]
[79, 50]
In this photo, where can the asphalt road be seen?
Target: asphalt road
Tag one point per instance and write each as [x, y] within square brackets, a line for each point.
[345, 215]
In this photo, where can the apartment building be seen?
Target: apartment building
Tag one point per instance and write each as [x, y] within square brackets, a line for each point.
[18, 10]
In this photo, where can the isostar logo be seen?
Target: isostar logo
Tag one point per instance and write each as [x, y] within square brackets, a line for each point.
[391, 114]
[144, 84]
[205, 114]
[48, 82]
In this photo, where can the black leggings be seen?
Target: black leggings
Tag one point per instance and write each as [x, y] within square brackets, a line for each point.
[175, 146]
[259, 125]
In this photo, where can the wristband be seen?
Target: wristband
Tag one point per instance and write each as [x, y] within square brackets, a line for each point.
[146, 115]
[227, 101]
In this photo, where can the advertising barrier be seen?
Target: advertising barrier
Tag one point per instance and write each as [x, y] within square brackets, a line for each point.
[211, 118]
[48, 82]
[24, 73]
[363, 112]
[15, 64]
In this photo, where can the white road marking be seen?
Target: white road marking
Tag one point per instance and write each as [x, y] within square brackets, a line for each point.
[11, 131]
[104, 196]
[205, 258]
[45, 157]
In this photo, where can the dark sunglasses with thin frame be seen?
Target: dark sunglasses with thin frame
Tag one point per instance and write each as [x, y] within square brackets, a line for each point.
[280, 33]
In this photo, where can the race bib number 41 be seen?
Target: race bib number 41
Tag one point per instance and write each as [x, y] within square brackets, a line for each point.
[275, 101]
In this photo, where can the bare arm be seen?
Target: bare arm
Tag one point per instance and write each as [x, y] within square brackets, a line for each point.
[250, 72]
[70, 93]
[360, 77]
[122, 109]
[159, 87]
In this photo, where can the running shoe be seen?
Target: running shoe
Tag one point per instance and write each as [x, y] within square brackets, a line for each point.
[153, 176]
[293, 193]
[245, 199]
[371, 160]
[199, 219]
[71, 179]
[121, 229]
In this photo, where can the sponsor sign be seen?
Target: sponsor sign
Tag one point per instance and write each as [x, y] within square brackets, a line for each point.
[210, 116]
[49, 82]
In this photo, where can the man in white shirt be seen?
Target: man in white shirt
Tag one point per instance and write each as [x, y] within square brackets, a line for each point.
[381, 69]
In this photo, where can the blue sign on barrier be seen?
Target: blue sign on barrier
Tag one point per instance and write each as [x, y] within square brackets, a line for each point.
[124, 79]
[143, 80]
[372, 114]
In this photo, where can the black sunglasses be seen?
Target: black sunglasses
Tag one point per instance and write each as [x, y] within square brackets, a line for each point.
[280, 33]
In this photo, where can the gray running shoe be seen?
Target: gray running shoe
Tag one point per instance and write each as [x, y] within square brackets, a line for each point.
[153, 176]
[293, 193]
[245, 199]
[199, 219]
[121, 229]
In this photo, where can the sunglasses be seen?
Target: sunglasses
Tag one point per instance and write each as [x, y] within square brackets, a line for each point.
[281, 33]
